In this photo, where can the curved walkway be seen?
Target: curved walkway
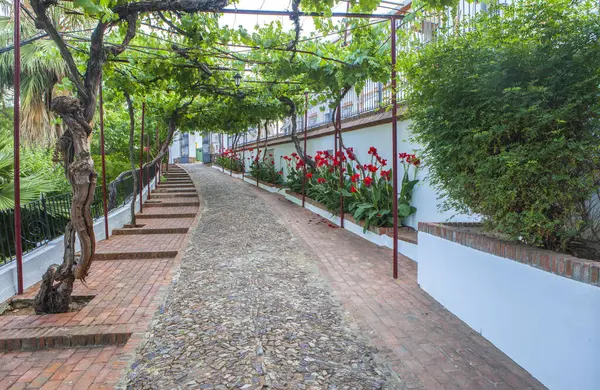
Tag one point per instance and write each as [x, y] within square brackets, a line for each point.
[270, 296]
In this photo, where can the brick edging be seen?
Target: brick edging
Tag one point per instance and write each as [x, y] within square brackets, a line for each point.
[571, 267]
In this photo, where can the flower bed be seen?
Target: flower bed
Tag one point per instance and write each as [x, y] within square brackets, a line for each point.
[363, 191]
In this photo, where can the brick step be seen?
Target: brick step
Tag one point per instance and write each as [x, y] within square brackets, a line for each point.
[171, 186]
[62, 337]
[132, 231]
[152, 254]
[176, 175]
[167, 190]
[188, 182]
[158, 203]
[162, 195]
[165, 216]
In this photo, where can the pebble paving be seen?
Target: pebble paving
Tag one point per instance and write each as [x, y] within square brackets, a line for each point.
[249, 310]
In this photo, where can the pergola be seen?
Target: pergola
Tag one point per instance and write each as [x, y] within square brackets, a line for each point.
[392, 17]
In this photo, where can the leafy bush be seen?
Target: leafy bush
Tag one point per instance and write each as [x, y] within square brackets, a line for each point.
[265, 171]
[508, 113]
[230, 160]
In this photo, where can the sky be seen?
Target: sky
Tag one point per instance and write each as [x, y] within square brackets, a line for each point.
[249, 21]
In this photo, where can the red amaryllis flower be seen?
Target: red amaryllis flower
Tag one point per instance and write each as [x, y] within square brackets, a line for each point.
[309, 175]
[372, 168]
[368, 181]
[385, 174]
[353, 189]
[373, 150]
[355, 177]
[321, 180]
[280, 172]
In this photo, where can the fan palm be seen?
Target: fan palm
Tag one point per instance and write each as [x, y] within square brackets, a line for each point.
[42, 68]
[32, 186]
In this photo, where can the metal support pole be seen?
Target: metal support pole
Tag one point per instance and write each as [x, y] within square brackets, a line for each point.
[102, 153]
[147, 164]
[158, 164]
[142, 157]
[257, 155]
[221, 148]
[17, 142]
[338, 120]
[395, 148]
[305, 152]
[244, 156]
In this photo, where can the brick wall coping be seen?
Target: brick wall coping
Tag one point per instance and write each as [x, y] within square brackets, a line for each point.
[571, 267]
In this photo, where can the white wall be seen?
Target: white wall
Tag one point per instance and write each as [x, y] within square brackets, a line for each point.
[547, 324]
[425, 198]
[37, 262]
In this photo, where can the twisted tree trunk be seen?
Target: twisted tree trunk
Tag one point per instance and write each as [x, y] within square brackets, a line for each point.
[74, 149]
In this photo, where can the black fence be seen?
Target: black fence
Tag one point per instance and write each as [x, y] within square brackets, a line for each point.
[45, 219]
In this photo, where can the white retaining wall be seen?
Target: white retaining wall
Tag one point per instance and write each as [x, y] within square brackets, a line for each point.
[548, 324]
[37, 262]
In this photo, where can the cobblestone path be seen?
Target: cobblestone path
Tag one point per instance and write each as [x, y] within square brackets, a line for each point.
[248, 309]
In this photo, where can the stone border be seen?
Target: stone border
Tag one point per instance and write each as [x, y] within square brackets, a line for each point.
[571, 267]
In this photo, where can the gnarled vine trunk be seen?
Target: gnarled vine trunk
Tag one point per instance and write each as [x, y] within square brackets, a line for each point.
[73, 147]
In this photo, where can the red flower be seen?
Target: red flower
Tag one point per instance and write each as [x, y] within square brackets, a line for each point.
[280, 172]
[368, 181]
[353, 189]
[373, 150]
[309, 175]
[385, 174]
[355, 178]
[321, 180]
[372, 168]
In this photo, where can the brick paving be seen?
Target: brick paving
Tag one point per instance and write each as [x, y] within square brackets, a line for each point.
[427, 345]
[102, 337]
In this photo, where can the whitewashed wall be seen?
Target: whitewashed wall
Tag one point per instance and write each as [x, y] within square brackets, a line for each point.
[548, 324]
[425, 198]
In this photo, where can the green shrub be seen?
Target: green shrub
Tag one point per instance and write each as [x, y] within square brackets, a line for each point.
[508, 113]
[265, 171]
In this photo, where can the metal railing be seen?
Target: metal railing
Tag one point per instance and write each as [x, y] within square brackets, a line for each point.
[44, 220]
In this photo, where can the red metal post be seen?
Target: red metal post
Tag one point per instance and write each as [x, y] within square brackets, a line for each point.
[142, 157]
[305, 152]
[244, 156]
[257, 161]
[221, 147]
[102, 153]
[17, 142]
[148, 165]
[395, 148]
[338, 125]
[157, 167]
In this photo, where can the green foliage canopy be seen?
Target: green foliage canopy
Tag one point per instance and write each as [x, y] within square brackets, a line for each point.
[508, 112]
